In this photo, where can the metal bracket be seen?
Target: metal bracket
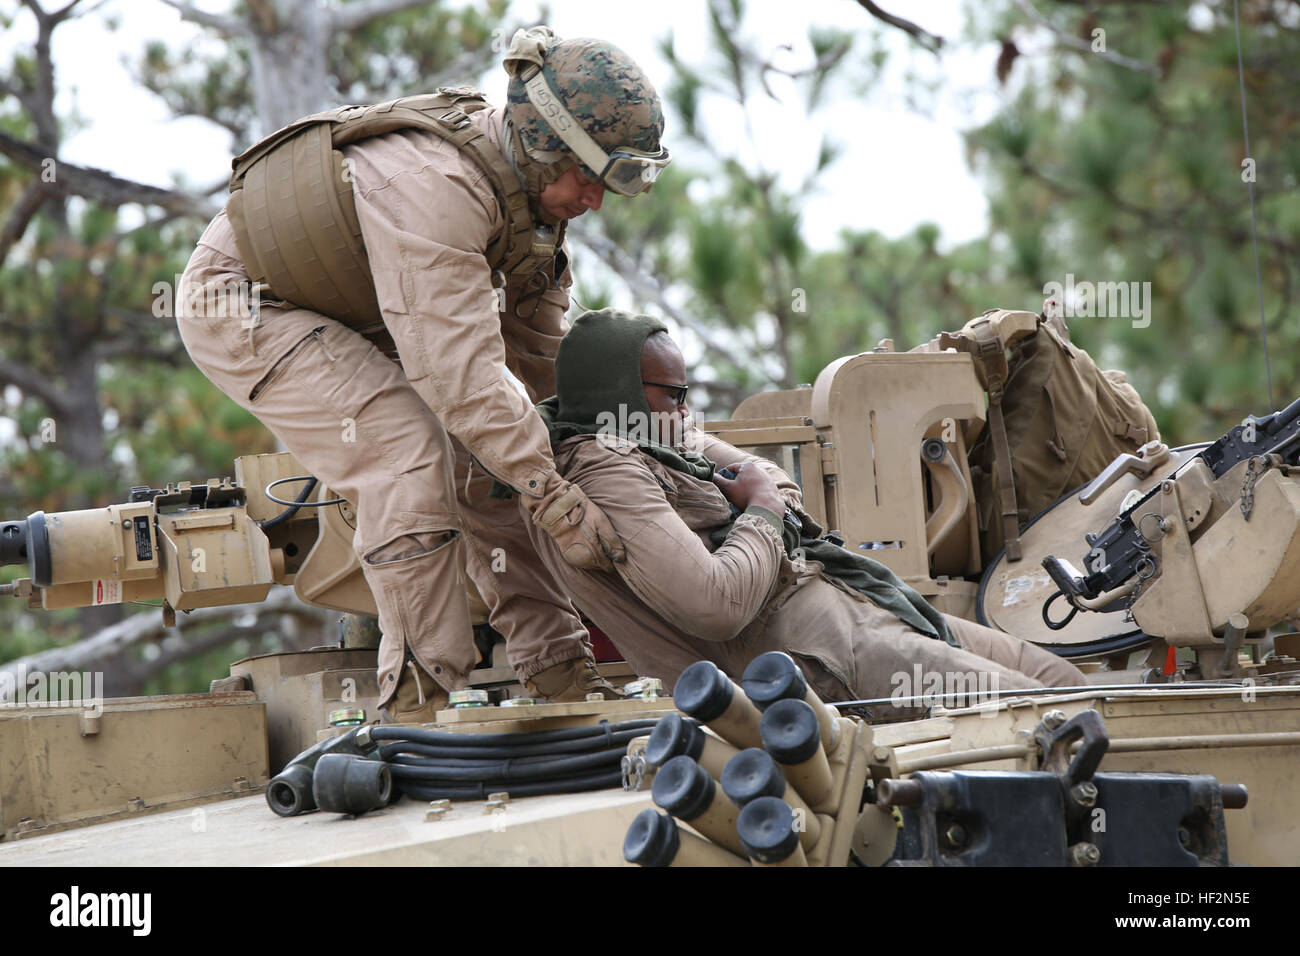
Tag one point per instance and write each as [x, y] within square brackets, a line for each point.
[1054, 740]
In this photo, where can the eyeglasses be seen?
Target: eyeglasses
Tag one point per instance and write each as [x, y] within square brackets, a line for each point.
[679, 389]
[626, 170]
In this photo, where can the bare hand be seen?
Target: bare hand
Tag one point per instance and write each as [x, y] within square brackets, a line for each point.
[751, 486]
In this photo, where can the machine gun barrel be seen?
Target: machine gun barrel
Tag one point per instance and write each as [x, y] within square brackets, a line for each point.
[13, 543]
[1273, 434]
[26, 543]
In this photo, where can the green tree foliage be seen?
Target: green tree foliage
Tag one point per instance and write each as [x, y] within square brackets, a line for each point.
[412, 50]
[721, 234]
[1122, 164]
[96, 390]
[907, 290]
[94, 378]
[1132, 170]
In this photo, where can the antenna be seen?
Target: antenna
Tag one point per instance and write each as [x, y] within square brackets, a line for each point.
[1254, 237]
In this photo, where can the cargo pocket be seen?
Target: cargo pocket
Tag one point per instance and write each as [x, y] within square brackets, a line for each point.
[830, 684]
[283, 362]
[1122, 410]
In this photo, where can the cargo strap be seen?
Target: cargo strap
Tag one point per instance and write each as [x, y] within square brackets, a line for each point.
[991, 353]
[982, 341]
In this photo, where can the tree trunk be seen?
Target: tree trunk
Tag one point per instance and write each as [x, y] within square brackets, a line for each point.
[290, 78]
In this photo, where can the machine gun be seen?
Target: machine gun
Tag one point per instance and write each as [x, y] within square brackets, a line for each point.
[1180, 551]
[192, 545]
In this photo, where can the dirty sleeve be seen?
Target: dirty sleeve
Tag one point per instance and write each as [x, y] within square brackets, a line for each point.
[709, 595]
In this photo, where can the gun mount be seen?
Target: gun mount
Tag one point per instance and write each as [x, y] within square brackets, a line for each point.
[1205, 555]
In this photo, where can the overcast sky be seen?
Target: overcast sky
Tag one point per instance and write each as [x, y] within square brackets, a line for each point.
[899, 167]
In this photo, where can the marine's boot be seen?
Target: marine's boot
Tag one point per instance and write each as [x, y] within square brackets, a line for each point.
[571, 680]
[418, 697]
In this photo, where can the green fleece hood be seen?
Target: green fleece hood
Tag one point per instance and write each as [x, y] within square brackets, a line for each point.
[598, 370]
[599, 390]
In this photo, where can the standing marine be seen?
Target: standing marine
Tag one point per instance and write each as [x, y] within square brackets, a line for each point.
[410, 280]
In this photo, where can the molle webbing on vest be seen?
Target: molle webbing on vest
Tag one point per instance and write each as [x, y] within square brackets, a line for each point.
[294, 215]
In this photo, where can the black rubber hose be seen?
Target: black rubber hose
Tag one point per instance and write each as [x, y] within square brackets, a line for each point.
[293, 509]
[506, 769]
[618, 740]
[422, 736]
[456, 760]
[481, 790]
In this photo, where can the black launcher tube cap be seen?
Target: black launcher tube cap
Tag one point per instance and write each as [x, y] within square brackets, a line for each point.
[791, 732]
[703, 691]
[766, 828]
[652, 839]
[673, 736]
[752, 774]
[683, 788]
[771, 677]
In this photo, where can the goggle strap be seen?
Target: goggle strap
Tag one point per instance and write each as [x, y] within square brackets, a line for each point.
[561, 120]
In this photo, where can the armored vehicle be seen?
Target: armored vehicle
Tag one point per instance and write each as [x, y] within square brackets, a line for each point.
[1170, 577]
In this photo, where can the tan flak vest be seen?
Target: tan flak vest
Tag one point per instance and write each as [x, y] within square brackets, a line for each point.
[295, 219]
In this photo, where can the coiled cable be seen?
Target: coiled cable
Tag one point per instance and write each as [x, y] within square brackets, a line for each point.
[433, 765]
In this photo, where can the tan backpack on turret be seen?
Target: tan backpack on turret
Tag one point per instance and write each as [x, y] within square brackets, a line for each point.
[295, 219]
[1055, 420]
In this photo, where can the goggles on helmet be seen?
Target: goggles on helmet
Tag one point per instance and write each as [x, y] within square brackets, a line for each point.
[626, 170]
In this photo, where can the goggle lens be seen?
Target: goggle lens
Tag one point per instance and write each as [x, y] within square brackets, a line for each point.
[629, 175]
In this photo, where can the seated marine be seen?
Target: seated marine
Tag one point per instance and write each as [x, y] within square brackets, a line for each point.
[718, 568]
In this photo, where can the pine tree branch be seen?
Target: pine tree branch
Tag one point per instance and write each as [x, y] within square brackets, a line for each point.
[644, 285]
[107, 351]
[464, 68]
[30, 382]
[10, 89]
[50, 17]
[353, 16]
[1082, 45]
[140, 628]
[41, 104]
[155, 222]
[29, 203]
[182, 105]
[227, 26]
[100, 185]
[1162, 218]
[176, 649]
[925, 38]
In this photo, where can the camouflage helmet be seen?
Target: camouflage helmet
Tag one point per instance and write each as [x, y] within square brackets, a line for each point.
[604, 91]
